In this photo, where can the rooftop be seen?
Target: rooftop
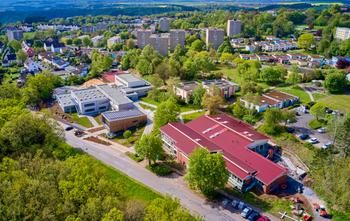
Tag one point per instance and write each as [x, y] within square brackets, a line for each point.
[128, 77]
[65, 99]
[221, 83]
[89, 94]
[222, 133]
[118, 115]
[188, 85]
[114, 94]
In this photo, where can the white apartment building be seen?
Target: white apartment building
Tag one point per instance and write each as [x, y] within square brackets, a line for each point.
[214, 37]
[233, 27]
[342, 33]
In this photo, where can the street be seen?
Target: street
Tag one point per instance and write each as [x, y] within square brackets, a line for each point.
[174, 186]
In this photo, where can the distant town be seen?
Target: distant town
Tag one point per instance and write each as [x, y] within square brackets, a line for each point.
[218, 115]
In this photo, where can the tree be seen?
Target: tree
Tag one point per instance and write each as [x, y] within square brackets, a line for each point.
[206, 171]
[212, 102]
[165, 209]
[272, 119]
[289, 117]
[163, 71]
[127, 134]
[150, 147]
[39, 88]
[15, 45]
[238, 110]
[197, 95]
[87, 42]
[318, 110]
[21, 56]
[77, 42]
[335, 82]
[225, 47]
[198, 45]
[273, 75]
[294, 78]
[166, 112]
[113, 215]
[144, 67]
[226, 57]
[339, 128]
[306, 41]
[130, 44]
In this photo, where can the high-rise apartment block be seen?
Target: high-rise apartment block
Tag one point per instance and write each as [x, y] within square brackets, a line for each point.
[164, 24]
[143, 37]
[177, 37]
[214, 37]
[342, 33]
[233, 27]
[160, 42]
[14, 34]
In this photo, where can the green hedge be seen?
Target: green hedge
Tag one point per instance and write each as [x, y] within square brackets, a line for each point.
[159, 169]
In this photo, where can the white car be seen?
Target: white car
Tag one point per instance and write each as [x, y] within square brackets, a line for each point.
[326, 145]
[322, 130]
[313, 140]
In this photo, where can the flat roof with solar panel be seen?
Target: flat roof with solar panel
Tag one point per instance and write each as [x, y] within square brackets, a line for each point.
[88, 95]
[119, 115]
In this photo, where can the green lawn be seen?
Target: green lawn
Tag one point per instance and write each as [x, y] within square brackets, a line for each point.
[338, 102]
[83, 121]
[146, 107]
[150, 101]
[183, 107]
[132, 188]
[136, 135]
[297, 91]
[98, 119]
[318, 96]
[189, 117]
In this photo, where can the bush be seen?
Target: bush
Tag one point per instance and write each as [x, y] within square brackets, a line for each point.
[127, 134]
[135, 157]
[159, 169]
[315, 124]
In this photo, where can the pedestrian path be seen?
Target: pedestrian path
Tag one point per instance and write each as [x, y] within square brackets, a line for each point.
[93, 121]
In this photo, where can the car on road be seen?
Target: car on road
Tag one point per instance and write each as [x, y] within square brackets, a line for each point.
[321, 130]
[246, 212]
[68, 128]
[254, 216]
[241, 206]
[303, 136]
[313, 140]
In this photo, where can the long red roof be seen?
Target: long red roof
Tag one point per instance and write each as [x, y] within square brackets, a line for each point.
[222, 133]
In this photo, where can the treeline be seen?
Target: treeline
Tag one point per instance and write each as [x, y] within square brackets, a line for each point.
[42, 178]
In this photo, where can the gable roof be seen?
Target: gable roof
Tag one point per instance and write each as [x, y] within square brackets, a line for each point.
[231, 137]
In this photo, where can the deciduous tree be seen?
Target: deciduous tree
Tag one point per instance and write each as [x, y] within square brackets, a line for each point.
[150, 147]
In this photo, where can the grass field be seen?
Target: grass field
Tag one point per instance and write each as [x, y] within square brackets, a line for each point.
[189, 117]
[297, 91]
[136, 135]
[132, 188]
[183, 107]
[338, 102]
[83, 121]
[98, 119]
[318, 96]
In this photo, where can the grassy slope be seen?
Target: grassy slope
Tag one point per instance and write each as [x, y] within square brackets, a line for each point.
[339, 102]
[83, 121]
[189, 117]
[297, 91]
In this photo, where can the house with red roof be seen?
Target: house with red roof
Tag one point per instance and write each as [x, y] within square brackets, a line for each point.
[245, 150]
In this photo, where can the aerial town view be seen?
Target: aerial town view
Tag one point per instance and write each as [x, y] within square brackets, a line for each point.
[174, 110]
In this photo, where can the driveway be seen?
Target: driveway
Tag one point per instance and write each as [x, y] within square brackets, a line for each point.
[174, 186]
[302, 127]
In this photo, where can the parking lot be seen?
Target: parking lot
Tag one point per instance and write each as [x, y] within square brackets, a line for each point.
[302, 127]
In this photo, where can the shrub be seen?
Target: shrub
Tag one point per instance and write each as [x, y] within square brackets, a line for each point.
[135, 157]
[127, 134]
[315, 124]
[159, 169]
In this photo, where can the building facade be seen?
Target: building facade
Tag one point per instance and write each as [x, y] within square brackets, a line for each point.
[214, 37]
[14, 34]
[143, 37]
[226, 88]
[164, 24]
[233, 27]
[342, 33]
[116, 121]
[160, 43]
[177, 37]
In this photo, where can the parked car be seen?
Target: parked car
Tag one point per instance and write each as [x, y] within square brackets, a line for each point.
[303, 136]
[321, 130]
[254, 216]
[68, 128]
[225, 203]
[327, 145]
[290, 129]
[241, 206]
[246, 212]
[264, 218]
[235, 204]
[313, 140]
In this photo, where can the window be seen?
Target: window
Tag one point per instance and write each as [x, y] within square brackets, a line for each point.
[102, 108]
[89, 105]
[90, 110]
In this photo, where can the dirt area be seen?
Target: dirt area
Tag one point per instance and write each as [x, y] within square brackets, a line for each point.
[57, 113]
[97, 140]
[92, 82]
[93, 130]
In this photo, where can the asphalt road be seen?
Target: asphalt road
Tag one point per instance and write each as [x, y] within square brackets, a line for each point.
[174, 186]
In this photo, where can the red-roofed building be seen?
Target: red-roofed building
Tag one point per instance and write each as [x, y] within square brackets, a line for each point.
[109, 77]
[243, 149]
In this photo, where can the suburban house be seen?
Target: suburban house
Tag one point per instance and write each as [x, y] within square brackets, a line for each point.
[9, 58]
[32, 66]
[54, 46]
[115, 121]
[227, 88]
[132, 86]
[245, 151]
[185, 89]
[269, 99]
[55, 61]
[27, 48]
